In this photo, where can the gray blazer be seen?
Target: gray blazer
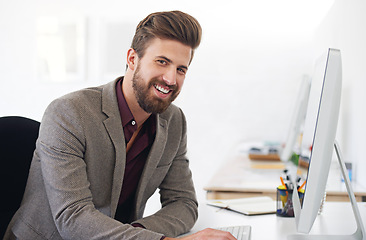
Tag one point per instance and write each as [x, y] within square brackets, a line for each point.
[77, 170]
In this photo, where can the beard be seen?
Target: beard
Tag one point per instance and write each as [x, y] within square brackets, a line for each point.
[146, 100]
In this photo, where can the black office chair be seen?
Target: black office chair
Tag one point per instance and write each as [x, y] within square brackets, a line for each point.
[18, 137]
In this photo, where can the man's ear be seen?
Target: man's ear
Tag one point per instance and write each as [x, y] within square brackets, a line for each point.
[131, 58]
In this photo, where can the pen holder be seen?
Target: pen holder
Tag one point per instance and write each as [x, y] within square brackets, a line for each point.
[284, 201]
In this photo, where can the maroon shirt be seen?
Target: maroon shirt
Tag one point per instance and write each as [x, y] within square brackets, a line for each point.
[136, 156]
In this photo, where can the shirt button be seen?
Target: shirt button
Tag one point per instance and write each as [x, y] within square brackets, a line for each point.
[133, 123]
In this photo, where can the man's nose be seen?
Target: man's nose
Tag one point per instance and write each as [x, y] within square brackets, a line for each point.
[170, 76]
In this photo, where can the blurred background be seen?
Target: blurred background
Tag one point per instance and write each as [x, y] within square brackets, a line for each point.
[243, 80]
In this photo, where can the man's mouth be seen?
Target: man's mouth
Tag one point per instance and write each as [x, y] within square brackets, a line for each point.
[162, 89]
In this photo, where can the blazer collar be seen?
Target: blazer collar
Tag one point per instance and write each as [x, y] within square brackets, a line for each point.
[153, 159]
[113, 125]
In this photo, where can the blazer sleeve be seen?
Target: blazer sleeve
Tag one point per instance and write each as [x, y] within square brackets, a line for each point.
[61, 149]
[177, 194]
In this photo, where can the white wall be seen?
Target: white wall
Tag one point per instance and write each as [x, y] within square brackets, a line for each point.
[344, 28]
[241, 84]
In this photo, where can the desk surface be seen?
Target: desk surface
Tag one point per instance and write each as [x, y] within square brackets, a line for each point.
[337, 218]
[242, 177]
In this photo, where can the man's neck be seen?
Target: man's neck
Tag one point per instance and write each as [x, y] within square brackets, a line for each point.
[138, 113]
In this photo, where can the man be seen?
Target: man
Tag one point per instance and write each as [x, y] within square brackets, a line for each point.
[102, 152]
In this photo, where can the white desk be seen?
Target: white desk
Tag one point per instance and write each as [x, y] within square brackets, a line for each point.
[241, 177]
[337, 218]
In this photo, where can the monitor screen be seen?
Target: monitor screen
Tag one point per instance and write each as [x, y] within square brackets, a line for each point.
[297, 120]
[286, 151]
[318, 137]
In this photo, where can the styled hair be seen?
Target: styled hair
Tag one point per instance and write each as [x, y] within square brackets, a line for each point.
[172, 25]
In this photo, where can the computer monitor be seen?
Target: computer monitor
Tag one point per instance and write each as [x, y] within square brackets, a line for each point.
[297, 119]
[317, 145]
[285, 151]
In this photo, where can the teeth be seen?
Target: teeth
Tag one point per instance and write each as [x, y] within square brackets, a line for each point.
[161, 89]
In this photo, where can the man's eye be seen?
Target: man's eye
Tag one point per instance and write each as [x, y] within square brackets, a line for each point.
[161, 62]
[181, 70]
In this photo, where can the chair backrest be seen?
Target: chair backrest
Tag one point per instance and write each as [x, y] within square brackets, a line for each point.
[18, 137]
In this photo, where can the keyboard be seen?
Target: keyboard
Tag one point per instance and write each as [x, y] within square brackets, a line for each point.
[240, 232]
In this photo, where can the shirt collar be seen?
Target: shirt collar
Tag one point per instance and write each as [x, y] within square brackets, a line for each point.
[124, 110]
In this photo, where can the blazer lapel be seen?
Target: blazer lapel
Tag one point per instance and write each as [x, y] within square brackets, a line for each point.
[153, 159]
[113, 125]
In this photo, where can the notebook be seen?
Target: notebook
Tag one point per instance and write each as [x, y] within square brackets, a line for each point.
[247, 206]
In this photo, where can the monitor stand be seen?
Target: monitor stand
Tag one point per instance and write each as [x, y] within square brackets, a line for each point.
[360, 233]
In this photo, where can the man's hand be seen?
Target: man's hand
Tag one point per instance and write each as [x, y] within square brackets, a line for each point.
[207, 234]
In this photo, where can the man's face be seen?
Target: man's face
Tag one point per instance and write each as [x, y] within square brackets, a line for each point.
[160, 73]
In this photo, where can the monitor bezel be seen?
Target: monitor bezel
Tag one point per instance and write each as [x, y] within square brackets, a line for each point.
[324, 135]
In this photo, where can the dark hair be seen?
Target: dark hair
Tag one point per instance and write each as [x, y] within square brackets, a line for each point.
[173, 25]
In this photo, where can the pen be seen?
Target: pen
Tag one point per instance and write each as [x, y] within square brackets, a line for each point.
[302, 185]
[288, 179]
[283, 183]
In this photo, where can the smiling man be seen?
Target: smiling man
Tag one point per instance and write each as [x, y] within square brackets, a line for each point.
[102, 152]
